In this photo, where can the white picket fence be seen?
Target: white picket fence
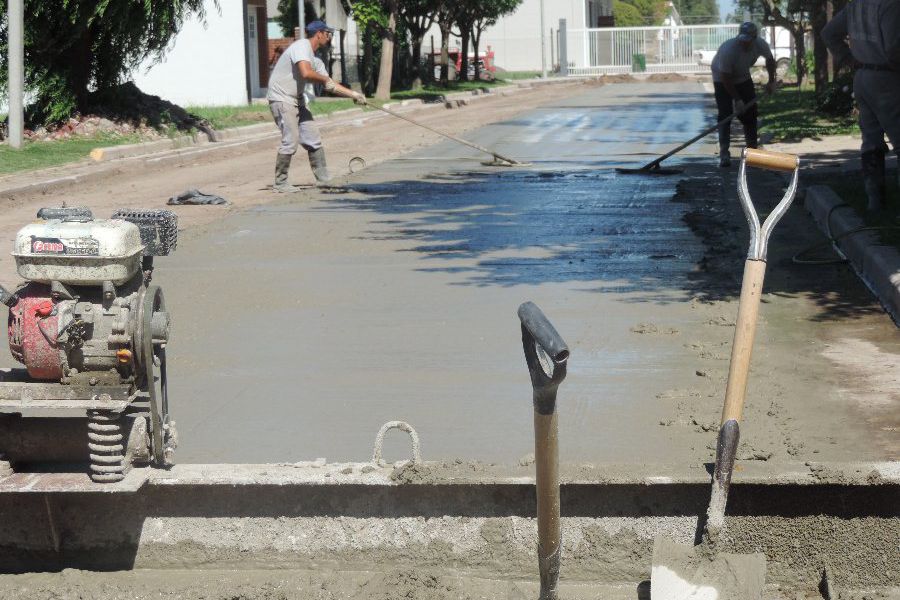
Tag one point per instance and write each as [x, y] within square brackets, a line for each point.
[647, 49]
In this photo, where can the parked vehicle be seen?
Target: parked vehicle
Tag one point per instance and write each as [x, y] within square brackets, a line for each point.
[485, 59]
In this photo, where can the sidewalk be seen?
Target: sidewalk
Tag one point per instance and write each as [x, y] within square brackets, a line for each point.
[877, 265]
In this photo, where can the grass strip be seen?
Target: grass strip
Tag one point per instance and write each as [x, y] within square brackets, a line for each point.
[790, 116]
[43, 154]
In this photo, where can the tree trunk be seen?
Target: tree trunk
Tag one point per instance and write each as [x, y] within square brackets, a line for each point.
[417, 60]
[476, 42]
[445, 53]
[464, 51]
[367, 66]
[81, 57]
[800, 44]
[820, 52]
[386, 70]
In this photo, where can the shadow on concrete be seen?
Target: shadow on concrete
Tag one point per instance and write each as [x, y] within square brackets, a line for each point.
[656, 238]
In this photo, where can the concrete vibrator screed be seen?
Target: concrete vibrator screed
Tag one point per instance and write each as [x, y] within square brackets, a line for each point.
[86, 428]
[91, 331]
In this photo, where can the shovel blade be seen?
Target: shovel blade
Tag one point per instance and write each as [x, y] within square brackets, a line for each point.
[682, 572]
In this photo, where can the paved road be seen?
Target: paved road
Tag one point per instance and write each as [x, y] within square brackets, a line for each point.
[301, 327]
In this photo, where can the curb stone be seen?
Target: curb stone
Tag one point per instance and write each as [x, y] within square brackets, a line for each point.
[877, 265]
[126, 150]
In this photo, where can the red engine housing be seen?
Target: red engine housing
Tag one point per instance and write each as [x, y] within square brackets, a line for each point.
[33, 327]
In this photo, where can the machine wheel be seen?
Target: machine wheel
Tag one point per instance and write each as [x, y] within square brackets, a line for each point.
[151, 345]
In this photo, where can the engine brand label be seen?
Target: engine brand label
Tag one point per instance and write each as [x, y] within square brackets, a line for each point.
[84, 246]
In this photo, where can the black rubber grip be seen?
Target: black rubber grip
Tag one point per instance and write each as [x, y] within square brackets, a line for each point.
[544, 333]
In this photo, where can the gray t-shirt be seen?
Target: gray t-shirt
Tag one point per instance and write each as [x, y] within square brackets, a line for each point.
[285, 82]
[734, 60]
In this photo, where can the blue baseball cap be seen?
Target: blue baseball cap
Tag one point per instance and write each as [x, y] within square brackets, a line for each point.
[748, 32]
[317, 26]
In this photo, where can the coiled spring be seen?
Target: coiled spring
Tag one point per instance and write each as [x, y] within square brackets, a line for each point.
[106, 441]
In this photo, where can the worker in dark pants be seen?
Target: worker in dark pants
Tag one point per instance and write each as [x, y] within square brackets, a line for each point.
[873, 29]
[734, 87]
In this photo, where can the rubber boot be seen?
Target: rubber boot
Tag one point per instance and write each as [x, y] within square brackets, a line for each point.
[282, 166]
[319, 168]
[873, 178]
[724, 143]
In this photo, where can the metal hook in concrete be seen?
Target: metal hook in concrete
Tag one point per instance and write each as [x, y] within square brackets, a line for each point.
[402, 426]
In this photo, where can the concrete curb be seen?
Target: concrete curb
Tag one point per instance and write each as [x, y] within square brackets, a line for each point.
[128, 150]
[877, 265]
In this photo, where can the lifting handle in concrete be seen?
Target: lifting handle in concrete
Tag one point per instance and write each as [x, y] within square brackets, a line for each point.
[545, 354]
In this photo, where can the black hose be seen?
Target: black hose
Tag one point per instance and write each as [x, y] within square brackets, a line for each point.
[832, 241]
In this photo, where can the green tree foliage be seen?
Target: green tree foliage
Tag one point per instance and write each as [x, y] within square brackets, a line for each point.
[372, 20]
[698, 12]
[76, 49]
[793, 15]
[626, 15]
[289, 15]
[81, 49]
[650, 12]
[417, 17]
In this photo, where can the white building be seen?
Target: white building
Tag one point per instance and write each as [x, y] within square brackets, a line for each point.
[515, 39]
[222, 61]
[225, 60]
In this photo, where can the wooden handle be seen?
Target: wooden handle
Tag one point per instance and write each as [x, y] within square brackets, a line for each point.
[546, 458]
[776, 161]
[744, 332]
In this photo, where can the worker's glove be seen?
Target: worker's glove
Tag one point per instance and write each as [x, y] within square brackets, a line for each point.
[739, 106]
[359, 99]
[770, 88]
[330, 85]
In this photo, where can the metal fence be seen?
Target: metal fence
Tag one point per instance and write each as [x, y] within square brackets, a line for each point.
[641, 49]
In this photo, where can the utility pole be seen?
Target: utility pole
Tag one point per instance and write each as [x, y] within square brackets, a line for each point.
[16, 43]
[301, 9]
[543, 44]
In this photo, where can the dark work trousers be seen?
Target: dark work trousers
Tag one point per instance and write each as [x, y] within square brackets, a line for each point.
[725, 103]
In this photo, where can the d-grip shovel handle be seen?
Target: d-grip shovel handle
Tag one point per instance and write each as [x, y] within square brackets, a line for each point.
[776, 161]
[539, 337]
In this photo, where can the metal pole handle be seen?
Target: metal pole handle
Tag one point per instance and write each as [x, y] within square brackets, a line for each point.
[777, 161]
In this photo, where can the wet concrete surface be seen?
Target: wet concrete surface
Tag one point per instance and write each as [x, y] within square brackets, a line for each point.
[300, 327]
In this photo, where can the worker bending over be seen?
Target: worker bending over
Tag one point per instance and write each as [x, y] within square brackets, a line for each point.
[873, 29]
[290, 91]
[734, 87]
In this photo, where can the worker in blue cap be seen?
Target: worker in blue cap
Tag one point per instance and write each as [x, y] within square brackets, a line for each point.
[290, 92]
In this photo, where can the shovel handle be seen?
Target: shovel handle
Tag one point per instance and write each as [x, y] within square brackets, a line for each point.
[774, 161]
[744, 333]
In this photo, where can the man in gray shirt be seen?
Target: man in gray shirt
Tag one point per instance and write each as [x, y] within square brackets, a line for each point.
[297, 68]
[873, 27]
[734, 87]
